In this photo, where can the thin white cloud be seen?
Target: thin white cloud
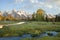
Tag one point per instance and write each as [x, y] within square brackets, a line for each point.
[34, 1]
[46, 5]
[54, 2]
[49, 6]
[18, 1]
[41, 3]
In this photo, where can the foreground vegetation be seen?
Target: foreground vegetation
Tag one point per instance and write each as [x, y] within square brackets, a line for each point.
[43, 38]
[34, 28]
[7, 22]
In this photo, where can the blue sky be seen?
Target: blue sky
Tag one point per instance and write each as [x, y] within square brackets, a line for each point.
[50, 6]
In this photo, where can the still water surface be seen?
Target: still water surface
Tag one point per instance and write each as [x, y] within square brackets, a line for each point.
[29, 36]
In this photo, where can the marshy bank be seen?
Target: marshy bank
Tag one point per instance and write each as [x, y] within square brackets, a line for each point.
[47, 34]
[44, 36]
[30, 30]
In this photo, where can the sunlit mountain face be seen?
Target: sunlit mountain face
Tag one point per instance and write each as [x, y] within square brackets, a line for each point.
[50, 6]
[16, 14]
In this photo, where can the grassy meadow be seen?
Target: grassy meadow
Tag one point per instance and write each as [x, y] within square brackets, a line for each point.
[33, 27]
[7, 22]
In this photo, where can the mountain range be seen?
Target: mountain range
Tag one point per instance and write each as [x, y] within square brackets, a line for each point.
[17, 14]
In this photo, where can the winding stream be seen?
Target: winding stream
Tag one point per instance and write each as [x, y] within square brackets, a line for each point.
[47, 33]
